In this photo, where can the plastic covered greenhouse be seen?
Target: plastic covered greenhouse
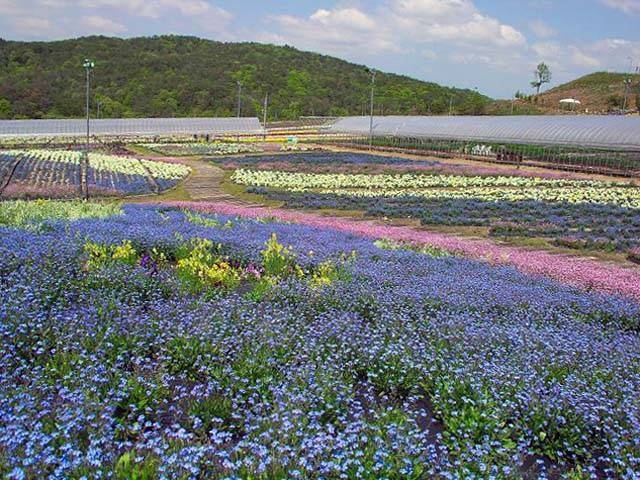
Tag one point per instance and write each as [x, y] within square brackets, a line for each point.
[601, 144]
[130, 127]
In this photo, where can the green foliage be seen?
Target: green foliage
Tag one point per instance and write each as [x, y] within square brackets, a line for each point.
[206, 221]
[5, 108]
[261, 289]
[187, 354]
[100, 255]
[127, 468]
[186, 76]
[615, 101]
[202, 269]
[430, 250]
[277, 260]
[211, 409]
[541, 75]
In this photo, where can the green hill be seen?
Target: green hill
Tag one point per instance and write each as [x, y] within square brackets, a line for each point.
[599, 92]
[186, 76]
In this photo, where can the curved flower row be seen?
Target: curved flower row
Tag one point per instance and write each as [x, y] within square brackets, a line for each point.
[352, 163]
[112, 163]
[581, 272]
[444, 186]
[575, 225]
[280, 179]
[199, 148]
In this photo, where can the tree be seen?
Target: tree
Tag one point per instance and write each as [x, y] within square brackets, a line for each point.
[541, 75]
[615, 101]
[5, 108]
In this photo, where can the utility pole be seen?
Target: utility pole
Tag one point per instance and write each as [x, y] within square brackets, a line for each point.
[450, 106]
[264, 114]
[627, 86]
[239, 98]
[373, 84]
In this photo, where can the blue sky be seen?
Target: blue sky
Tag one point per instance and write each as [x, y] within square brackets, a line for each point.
[493, 45]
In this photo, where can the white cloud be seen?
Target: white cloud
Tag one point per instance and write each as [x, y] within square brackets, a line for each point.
[336, 31]
[396, 26]
[143, 8]
[68, 18]
[100, 24]
[627, 6]
[455, 21]
[430, 54]
[541, 29]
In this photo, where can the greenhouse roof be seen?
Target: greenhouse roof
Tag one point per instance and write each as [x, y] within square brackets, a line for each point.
[576, 130]
[131, 126]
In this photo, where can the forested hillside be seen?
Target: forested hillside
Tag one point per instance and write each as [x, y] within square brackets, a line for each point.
[186, 76]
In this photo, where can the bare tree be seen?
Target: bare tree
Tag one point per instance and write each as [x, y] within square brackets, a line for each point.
[541, 75]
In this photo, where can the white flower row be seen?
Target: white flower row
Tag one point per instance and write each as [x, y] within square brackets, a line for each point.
[110, 163]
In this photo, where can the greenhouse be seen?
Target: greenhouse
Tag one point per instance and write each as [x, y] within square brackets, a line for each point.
[601, 144]
[131, 127]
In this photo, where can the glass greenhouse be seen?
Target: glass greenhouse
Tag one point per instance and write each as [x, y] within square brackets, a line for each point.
[601, 144]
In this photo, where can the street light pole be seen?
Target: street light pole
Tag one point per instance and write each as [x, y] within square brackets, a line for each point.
[373, 84]
[239, 98]
[88, 66]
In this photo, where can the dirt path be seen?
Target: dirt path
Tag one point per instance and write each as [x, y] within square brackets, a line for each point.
[204, 184]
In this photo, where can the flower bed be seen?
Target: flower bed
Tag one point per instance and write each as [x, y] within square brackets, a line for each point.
[201, 148]
[332, 162]
[600, 226]
[445, 186]
[162, 343]
[54, 173]
[581, 272]
[571, 213]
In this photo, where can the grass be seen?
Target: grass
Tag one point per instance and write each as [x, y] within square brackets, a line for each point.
[179, 193]
[240, 192]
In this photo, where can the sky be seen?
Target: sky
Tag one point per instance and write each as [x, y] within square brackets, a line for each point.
[491, 45]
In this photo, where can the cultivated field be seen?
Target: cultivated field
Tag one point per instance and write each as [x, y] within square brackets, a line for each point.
[345, 316]
[60, 174]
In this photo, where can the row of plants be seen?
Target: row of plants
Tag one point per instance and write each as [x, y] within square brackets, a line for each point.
[113, 163]
[584, 225]
[334, 162]
[508, 189]
[201, 148]
[309, 181]
[53, 173]
[139, 346]
[586, 273]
